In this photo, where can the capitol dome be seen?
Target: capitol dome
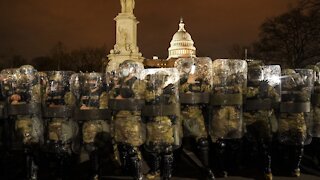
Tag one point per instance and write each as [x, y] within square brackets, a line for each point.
[181, 44]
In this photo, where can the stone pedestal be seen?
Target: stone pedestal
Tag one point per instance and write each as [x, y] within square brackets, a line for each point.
[126, 41]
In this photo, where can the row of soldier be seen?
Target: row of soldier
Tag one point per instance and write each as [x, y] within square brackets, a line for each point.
[132, 108]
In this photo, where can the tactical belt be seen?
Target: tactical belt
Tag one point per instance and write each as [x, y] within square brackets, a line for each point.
[315, 98]
[92, 114]
[286, 107]
[24, 109]
[161, 110]
[290, 94]
[3, 110]
[57, 112]
[126, 104]
[258, 104]
[194, 98]
[226, 99]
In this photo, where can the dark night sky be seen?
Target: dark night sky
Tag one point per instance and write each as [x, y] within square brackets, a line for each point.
[32, 27]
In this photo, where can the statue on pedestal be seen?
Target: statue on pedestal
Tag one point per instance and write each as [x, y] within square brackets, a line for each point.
[127, 6]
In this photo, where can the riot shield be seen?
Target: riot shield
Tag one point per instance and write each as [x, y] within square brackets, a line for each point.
[162, 109]
[23, 93]
[194, 93]
[315, 101]
[57, 109]
[294, 122]
[229, 84]
[92, 108]
[126, 99]
[262, 97]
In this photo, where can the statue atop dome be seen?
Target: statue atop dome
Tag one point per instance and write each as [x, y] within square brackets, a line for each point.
[181, 25]
[127, 6]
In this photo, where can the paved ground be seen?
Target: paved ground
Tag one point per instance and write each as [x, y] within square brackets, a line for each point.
[11, 169]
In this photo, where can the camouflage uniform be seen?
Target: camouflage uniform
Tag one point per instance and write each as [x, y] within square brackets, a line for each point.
[225, 129]
[294, 131]
[59, 103]
[194, 89]
[93, 115]
[263, 93]
[3, 112]
[316, 102]
[23, 95]
[162, 113]
[314, 148]
[126, 100]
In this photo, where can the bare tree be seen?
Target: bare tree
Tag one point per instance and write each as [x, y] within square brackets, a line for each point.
[291, 39]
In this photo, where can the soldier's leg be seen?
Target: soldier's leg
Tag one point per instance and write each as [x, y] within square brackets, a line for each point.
[123, 153]
[155, 163]
[32, 169]
[316, 149]
[95, 164]
[265, 151]
[203, 147]
[166, 174]
[233, 154]
[135, 161]
[296, 160]
[221, 157]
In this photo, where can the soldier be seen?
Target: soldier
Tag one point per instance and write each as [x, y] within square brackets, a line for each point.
[314, 148]
[58, 106]
[6, 82]
[225, 126]
[92, 115]
[126, 100]
[263, 93]
[23, 93]
[194, 90]
[162, 118]
[3, 113]
[294, 122]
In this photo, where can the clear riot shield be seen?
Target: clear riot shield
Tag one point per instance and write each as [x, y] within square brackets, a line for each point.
[5, 79]
[23, 93]
[194, 93]
[162, 109]
[315, 100]
[126, 98]
[58, 107]
[294, 122]
[262, 97]
[229, 84]
[92, 111]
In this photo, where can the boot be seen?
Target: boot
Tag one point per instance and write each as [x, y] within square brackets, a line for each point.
[136, 168]
[221, 151]
[154, 172]
[203, 147]
[95, 165]
[298, 152]
[167, 166]
[266, 154]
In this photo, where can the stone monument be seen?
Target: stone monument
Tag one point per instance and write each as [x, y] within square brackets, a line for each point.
[126, 37]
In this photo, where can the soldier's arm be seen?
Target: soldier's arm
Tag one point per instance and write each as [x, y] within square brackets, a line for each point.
[69, 99]
[36, 94]
[184, 88]
[139, 88]
[103, 101]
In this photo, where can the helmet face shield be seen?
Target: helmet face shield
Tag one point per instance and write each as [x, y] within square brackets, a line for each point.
[129, 68]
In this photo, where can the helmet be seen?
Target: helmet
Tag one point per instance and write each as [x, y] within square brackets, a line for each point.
[27, 69]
